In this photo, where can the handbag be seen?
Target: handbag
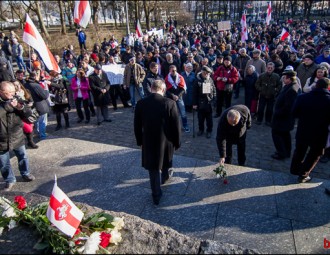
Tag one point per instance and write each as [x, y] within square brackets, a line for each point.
[229, 87]
[61, 97]
[33, 117]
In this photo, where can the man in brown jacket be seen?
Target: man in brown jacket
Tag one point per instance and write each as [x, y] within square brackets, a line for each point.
[133, 78]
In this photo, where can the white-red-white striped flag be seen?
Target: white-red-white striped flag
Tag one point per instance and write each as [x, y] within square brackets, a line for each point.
[284, 34]
[269, 14]
[138, 29]
[63, 213]
[82, 13]
[32, 37]
[244, 32]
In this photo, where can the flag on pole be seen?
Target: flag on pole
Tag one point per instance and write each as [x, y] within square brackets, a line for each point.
[82, 13]
[62, 212]
[244, 32]
[138, 29]
[32, 37]
[284, 34]
[269, 14]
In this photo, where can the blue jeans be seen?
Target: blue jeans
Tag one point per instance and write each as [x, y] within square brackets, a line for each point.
[20, 63]
[182, 110]
[5, 166]
[41, 126]
[132, 93]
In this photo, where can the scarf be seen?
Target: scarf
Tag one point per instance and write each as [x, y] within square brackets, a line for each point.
[175, 83]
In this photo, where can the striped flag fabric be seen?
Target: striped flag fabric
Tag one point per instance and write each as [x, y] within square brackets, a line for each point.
[269, 14]
[62, 212]
[138, 30]
[82, 13]
[32, 37]
[284, 34]
[244, 32]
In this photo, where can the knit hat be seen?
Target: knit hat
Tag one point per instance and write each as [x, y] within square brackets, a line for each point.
[227, 58]
[290, 73]
[308, 55]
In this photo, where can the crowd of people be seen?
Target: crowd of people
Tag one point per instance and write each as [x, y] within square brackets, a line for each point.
[203, 69]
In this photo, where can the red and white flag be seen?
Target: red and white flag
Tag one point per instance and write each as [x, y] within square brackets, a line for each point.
[244, 32]
[285, 34]
[32, 37]
[82, 13]
[63, 213]
[138, 29]
[269, 14]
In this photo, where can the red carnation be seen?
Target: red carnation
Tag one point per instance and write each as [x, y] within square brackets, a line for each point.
[105, 239]
[21, 202]
[77, 232]
[225, 181]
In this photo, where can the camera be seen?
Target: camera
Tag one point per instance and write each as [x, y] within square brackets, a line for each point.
[18, 99]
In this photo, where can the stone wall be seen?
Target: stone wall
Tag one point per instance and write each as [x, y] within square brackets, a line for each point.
[139, 236]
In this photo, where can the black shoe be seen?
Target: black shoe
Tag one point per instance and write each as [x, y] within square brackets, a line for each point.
[58, 128]
[109, 120]
[127, 106]
[9, 186]
[115, 108]
[99, 123]
[67, 126]
[157, 199]
[33, 146]
[277, 156]
[200, 132]
[216, 116]
[170, 174]
[302, 179]
[80, 120]
[327, 191]
[28, 178]
[93, 114]
[87, 121]
[208, 134]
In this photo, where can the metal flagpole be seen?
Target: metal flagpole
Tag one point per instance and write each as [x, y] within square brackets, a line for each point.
[30, 58]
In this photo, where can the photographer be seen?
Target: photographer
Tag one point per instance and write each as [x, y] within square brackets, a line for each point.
[11, 135]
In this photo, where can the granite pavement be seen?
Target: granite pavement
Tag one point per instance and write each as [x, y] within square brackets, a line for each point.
[262, 207]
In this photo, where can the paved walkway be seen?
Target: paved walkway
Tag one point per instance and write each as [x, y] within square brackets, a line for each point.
[259, 209]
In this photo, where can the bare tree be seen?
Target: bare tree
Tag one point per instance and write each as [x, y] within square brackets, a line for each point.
[63, 26]
[34, 6]
[95, 6]
[149, 7]
[308, 8]
[68, 10]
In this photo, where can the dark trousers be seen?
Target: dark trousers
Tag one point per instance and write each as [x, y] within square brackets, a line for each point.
[241, 158]
[154, 176]
[85, 104]
[237, 88]
[302, 164]
[223, 97]
[282, 142]
[82, 45]
[114, 91]
[205, 114]
[267, 103]
[90, 103]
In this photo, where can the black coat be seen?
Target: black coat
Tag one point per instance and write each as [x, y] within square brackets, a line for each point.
[148, 80]
[157, 129]
[39, 96]
[313, 112]
[282, 119]
[233, 134]
[11, 126]
[97, 84]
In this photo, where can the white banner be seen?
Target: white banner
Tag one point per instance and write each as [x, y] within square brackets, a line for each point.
[224, 25]
[157, 32]
[115, 73]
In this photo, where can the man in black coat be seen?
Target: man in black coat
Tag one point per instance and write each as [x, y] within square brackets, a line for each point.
[11, 135]
[100, 86]
[312, 111]
[232, 127]
[39, 96]
[283, 121]
[157, 130]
